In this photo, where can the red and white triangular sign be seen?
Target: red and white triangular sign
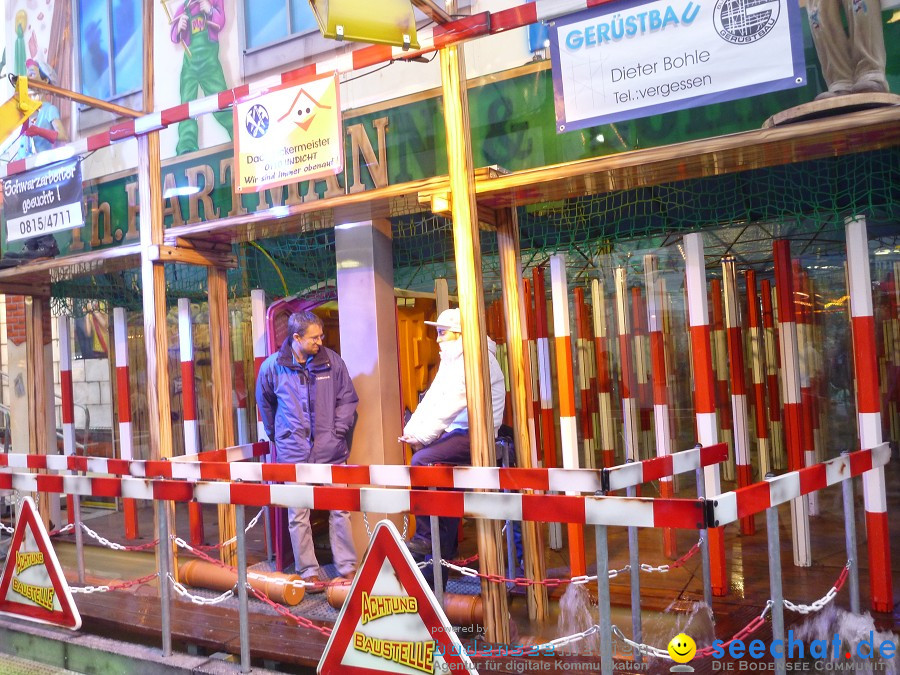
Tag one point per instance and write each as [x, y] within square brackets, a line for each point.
[391, 622]
[33, 585]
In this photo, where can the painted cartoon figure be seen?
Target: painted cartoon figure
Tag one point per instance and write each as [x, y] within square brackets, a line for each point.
[196, 24]
[853, 60]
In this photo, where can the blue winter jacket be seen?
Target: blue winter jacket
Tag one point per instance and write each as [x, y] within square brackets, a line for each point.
[307, 412]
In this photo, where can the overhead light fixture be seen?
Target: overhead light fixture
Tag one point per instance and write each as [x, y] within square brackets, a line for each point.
[385, 22]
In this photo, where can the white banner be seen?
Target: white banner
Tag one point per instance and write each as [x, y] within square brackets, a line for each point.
[634, 58]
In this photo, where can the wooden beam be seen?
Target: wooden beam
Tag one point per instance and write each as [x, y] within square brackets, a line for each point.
[432, 10]
[37, 290]
[188, 256]
[87, 100]
[519, 387]
[223, 421]
[467, 247]
[35, 315]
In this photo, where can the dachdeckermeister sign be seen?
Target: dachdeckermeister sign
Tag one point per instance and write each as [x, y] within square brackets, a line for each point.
[630, 59]
[43, 201]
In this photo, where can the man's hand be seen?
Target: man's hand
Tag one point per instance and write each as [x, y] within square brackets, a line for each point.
[206, 7]
[412, 441]
[182, 23]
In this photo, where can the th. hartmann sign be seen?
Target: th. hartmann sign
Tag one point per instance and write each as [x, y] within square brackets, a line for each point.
[43, 201]
[630, 59]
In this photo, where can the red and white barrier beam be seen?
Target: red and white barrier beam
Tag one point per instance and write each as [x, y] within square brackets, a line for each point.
[868, 408]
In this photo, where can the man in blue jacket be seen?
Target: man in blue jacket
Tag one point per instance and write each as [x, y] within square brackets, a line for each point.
[308, 405]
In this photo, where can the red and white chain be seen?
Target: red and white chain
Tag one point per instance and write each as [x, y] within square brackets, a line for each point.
[675, 565]
[114, 586]
[405, 525]
[822, 602]
[103, 541]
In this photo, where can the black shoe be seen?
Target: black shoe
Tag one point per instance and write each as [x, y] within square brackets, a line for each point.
[419, 546]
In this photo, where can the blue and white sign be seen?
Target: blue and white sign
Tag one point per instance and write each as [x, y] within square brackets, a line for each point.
[634, 58]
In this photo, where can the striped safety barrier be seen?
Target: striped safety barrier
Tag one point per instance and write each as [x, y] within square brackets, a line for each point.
[394, 475]
[586, 510]
[747, 501]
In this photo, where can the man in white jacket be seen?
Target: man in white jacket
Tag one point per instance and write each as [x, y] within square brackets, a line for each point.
[439, 429]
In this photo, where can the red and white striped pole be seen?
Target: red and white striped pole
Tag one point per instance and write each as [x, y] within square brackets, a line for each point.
[642, 368]
[894, 290]
[585, 372]
[773, 388]
[240, 380]
[545, 380]
[68, 399]
[869, 412]
[568, 425]
[704, 393]
[123, 394]
[626, 364]
[655, 303]
[258, 333]
[604, 382]
[534, 410]
[738, 384]
[793, 413]
[757, 349]
[802, 306]
[720, 368]
[189, 406]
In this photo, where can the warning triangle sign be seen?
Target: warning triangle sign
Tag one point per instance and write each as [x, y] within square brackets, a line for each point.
[33, 586]
[391, 622]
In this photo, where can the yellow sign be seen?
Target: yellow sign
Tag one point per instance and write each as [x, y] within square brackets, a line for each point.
[288, 134]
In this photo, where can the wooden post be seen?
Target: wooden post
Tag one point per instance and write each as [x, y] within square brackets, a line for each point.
[568, 426]
[467, 247]
[793, 418]
[604, 382]
[223, 420]
[40, 419]
[655, 304]
[520, 387]
[738, 385]
[704, 393]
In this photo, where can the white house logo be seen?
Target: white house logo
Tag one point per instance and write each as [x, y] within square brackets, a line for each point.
[745, 21]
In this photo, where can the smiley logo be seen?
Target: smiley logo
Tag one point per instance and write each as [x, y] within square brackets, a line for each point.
[682, 648]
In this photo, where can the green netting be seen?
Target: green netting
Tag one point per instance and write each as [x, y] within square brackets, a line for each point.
[740, 212]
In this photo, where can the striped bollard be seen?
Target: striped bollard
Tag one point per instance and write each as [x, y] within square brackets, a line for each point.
[604, 383]
[189, 406]
[568, 425]
[655, 303]
[895, 342]
[869, 412]
[738, 385]
[629, 404]
[545, 381]
[534, 410]
[720, 368]
[123, 396]
[68, 399]
[793, 415]
[585, 371]
[258, 333]
[704, 393]
[757, 349]
[773, 389]
[804, 345]
[642, 369]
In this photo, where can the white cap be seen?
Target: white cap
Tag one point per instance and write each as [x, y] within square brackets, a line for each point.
[448, 320]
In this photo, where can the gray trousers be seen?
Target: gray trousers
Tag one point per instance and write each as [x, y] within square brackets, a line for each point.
[342, 548]
[848, 56]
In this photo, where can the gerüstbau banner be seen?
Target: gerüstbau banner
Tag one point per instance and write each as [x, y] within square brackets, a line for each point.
[630, 59]
[291, 133]
[43, 201]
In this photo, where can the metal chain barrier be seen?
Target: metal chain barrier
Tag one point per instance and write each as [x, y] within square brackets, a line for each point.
[196, 599]
[369, 529]
[5, 528]
[523, 581]
[824, 600]
[250, 526]
[299, 620]
[115, 586]
[103, 541]
[675, 565]
[62, 530]
[742, 634]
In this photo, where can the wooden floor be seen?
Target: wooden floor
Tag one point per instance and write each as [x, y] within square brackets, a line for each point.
[669, 601]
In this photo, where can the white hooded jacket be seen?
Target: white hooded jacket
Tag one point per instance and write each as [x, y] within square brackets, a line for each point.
[444, 406]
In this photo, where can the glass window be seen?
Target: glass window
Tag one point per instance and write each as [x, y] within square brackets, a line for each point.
[111, 39]
[268, 22]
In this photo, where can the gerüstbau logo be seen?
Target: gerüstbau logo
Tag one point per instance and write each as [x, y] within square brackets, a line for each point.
[744, 21]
